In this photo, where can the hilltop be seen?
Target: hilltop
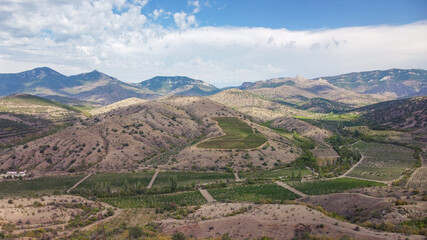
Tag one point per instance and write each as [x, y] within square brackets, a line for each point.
[178, 85]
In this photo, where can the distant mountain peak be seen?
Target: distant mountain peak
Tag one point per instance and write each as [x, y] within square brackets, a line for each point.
[180, 85]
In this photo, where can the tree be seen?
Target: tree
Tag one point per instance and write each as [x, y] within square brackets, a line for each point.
[173, 183]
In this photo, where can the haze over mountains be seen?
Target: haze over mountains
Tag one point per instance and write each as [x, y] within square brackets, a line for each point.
[96, 88]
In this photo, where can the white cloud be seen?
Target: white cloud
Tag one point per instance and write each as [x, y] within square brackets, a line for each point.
[77, 36]
[157, 13]
[195, 4]
[184, 21]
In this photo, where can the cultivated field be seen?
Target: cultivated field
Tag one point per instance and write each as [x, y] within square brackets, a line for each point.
[117, 180]
[191, 178]
[283, 173]
[157, 201]
[383, 162]
[38, 186]
[253, 193]
[419, 179]
[332, 186]
[239, 135]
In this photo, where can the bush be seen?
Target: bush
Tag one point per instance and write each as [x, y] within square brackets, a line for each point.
[401, 202]
[135, 232]
[10, 201]
[178, 236]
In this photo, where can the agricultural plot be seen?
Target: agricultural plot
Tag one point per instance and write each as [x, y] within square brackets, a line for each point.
[191, 178]
[239, 135]
[325, 155]
[379, 134]
[253, 193]
[419, 179]
[332, 186]
[117, 180]
[38, 186]
[283, 173]
[384, 162]
[159, 200]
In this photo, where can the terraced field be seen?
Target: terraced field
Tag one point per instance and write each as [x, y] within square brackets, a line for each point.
[253, 193]
[239, 135]
[336, 185]
[384, 162]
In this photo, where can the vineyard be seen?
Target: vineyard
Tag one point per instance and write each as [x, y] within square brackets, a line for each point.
[332, 186]
[159, 200]
[419, 179]
[384, 162]
[38, 186]
[239, 135]
[253, 193]
[117, 180]
[284, 173]
[191, 178]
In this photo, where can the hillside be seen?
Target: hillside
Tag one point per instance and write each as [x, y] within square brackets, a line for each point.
[116, 105]
[24, 116]
[255, 105]
[178, 85]
[299, 91]
[139, 136]
[408, 113]
[37, 106]
[398, 82]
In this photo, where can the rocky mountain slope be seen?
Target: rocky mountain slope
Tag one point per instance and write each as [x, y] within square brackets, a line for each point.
[396, 82]
[139, 136]
[410, 113]
[94, 86]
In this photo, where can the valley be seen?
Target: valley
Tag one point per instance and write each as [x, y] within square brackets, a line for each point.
[178, 158]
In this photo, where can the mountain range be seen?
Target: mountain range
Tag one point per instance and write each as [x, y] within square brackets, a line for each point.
[332, 93]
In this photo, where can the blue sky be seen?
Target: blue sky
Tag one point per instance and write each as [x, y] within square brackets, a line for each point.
[222, 42]
[298, 14]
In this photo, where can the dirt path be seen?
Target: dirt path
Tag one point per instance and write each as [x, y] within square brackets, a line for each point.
[354, 166]
[236, 175]
[206, 195]
[153, 179]
[78, 183]
[284, 185]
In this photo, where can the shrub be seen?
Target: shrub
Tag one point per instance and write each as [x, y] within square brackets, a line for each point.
[135, 232]
[178, 236]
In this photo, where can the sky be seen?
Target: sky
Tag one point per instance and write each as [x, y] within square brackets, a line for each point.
[223, 42]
